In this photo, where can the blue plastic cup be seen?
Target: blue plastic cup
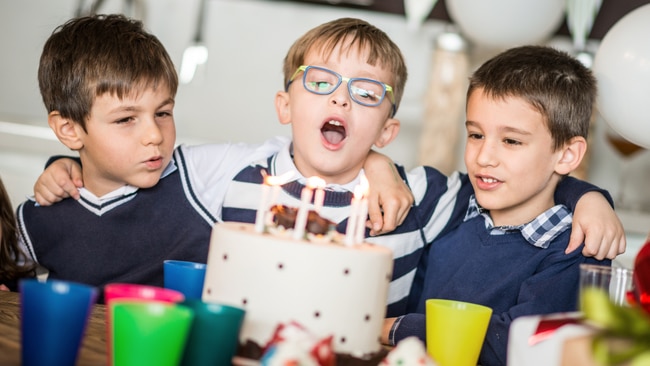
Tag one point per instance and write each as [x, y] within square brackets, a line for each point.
[54, 315]
[185, 277]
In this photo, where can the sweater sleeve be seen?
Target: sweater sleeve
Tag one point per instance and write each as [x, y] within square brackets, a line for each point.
[569, 191]
[409, 325]
[54, 158]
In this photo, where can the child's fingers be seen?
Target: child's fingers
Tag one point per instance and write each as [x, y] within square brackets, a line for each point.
[376, 216]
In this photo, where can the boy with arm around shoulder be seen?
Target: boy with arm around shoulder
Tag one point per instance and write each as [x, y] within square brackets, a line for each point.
[528, 114]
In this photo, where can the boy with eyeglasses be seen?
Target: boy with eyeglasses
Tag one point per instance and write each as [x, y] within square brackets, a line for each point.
[109, 88]
[343, 83]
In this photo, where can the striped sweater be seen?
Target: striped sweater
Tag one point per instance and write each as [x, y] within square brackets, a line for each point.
[440, 204]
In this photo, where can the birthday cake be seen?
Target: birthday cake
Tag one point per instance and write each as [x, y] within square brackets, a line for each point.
[330, 288]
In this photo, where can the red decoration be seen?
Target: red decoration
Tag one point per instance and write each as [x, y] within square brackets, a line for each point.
[642, 277]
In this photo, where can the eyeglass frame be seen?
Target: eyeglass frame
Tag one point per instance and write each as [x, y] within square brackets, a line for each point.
[341, 78]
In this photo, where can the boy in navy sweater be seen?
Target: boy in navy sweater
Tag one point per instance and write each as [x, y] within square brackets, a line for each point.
[528, 114]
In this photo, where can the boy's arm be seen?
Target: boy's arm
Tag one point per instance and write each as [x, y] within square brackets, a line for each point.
[389, 198]
[60, 179]
[62, 175]
[603, 240]
[594, 219]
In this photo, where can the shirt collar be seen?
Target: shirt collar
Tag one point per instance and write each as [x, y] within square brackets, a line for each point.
[124, 190]
[539, 232]
[283, 163]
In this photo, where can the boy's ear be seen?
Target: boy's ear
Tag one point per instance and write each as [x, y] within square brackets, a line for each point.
[65, 130]
[571, 155]
[282, 109]
[388, 132]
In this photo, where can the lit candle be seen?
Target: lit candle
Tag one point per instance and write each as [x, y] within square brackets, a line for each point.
[303, 212]
[260, 217]
[319, 192]
[360, 226]
[275, 182]
[350, 230]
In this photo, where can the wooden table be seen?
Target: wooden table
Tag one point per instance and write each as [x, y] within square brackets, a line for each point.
[93, 349]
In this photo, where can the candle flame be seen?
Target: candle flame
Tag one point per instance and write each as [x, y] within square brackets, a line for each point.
[364, 184]
[358, 192]
[316, 182]
[278, 180]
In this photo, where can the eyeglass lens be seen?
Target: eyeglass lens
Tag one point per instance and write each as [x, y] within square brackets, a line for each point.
[363, 91]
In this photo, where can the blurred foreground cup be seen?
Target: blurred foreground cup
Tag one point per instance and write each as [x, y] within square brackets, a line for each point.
[615, 281]
[53, 317]
[149, 333]
[130, 292]
[455, 331]
[185, 277]
[214, 336]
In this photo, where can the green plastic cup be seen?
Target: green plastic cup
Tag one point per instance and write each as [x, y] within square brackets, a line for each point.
[132, 292]
[149, 333]
[455, 331]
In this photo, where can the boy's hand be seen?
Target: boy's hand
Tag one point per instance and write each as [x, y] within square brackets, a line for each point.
[596, 223]
[388, 206]
[388, 324]
[3, 287]
[61, 179]
[389, 198]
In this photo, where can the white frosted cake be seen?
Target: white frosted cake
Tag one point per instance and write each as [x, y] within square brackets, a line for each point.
[330, 289]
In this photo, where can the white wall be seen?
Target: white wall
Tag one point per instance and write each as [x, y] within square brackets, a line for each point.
[247, 40]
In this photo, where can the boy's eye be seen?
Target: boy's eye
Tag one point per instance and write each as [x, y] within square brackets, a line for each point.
[365, 94]
[319, 86]
[163, 114]
[511, 142]
[476, 136]
[124, 120]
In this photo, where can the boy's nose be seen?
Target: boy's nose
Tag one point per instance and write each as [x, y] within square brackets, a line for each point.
[340, 96]
[486, 155]
[152, 133]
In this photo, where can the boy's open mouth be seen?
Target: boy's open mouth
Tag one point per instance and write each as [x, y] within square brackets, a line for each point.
[333, 132]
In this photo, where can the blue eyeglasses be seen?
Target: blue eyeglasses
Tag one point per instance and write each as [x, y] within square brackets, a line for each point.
[320, 80]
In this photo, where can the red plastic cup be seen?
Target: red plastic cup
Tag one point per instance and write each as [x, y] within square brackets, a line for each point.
[132, 291]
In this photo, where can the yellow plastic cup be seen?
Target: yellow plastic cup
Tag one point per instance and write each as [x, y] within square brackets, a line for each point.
[455, 331]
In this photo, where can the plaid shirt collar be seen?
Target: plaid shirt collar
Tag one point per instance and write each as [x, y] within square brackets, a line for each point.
[539, 232]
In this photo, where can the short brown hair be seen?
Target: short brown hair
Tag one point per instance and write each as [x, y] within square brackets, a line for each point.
[556, 84]
[328, 35]
[11, 257]
[89, 56]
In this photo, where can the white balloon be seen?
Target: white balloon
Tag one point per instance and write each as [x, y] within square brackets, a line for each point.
[507, 23]
[622, 67]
